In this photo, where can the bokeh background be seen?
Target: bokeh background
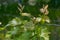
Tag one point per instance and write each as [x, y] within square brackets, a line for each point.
[9, 10]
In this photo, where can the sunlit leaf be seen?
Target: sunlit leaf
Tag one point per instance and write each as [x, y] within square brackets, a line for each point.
[14, 22]
[2, 28]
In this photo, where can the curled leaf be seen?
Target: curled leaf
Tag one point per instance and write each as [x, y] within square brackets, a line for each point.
[44, 10]
[26, 14]
[20, 8]
[38, 19]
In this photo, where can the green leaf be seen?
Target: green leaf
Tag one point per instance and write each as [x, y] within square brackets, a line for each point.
[24, 36]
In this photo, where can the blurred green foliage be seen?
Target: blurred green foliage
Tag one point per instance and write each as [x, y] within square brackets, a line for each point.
[14, 26]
